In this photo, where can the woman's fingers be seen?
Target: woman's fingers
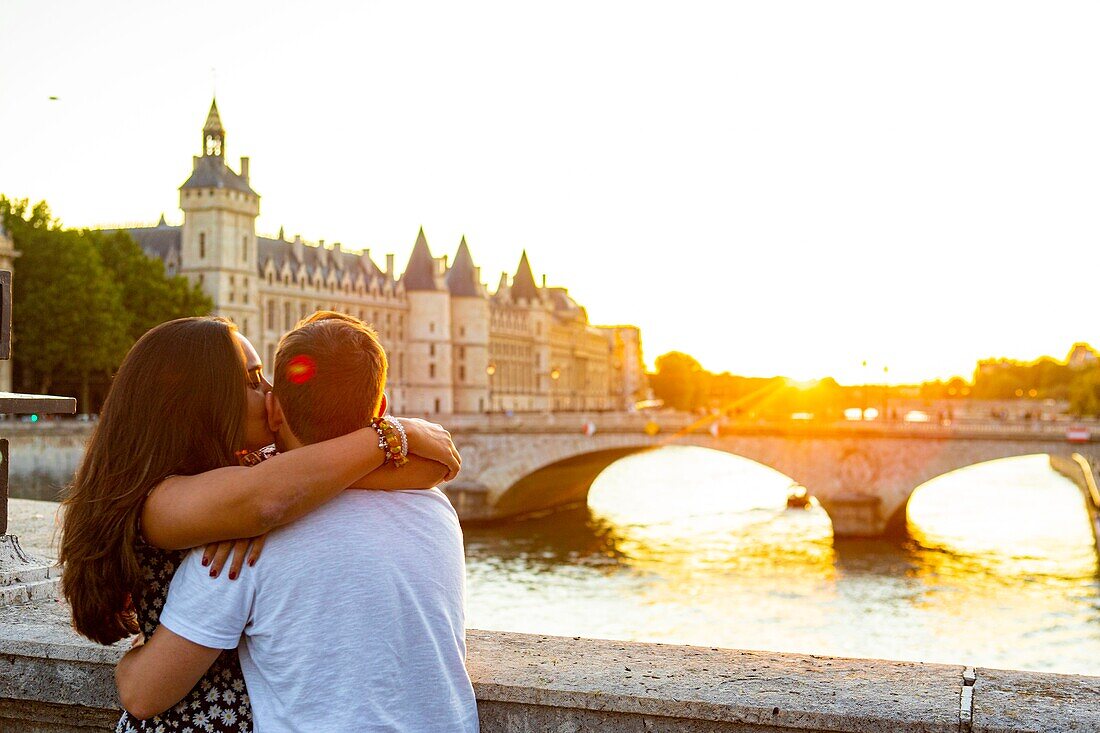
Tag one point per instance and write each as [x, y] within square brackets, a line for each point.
[217, 553]
[240, 550]
[218, 558]
[432, 441]
[257, 548]
[456, 464]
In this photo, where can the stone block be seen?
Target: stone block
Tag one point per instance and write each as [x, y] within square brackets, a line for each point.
[1013, 702]
[722, 688]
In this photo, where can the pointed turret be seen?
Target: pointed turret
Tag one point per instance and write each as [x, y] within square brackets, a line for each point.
[210, 170]
[420, 272]
[462, 278]
[213, 119]
[523, 284]
[162, 223]
[213, 134]
[282, 234]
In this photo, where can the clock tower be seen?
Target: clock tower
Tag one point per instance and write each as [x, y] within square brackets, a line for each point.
[218, 246]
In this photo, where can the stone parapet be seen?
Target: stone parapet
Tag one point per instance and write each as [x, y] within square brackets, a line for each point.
[51, 680]
[1082, 472]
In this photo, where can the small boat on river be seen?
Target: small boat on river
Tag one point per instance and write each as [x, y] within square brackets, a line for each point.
[798, 498]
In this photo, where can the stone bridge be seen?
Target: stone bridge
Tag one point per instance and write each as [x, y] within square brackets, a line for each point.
[861, 473]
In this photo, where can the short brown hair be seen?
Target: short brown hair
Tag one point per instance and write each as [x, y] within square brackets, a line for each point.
[329, 375]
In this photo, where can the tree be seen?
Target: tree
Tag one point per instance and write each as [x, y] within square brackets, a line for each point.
[677, 381]
[69, 314]
[1084, 394]
[83, 297]
[148, 295]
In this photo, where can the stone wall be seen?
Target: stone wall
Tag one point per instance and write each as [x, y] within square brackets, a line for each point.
[44, 456]
[52, 681]
[1077, 470]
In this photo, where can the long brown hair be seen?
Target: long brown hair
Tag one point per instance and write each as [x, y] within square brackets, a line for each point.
[175, 407]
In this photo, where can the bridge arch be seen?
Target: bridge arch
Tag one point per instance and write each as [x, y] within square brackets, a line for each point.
[951, 462]
[567, 481]
[901, 515]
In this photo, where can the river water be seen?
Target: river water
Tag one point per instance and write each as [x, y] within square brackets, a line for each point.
[685, 545]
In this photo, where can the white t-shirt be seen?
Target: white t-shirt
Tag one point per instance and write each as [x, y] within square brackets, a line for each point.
[352, 619]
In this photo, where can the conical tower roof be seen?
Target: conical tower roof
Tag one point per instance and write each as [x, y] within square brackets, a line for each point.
[523, 284]
[213, 119]
[462, 278]
[420, 272]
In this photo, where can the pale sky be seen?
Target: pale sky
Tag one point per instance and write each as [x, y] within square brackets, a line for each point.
[772, 187]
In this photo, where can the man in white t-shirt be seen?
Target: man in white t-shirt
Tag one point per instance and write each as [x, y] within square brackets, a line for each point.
[353, 619]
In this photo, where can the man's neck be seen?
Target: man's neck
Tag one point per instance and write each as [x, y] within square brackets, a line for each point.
[287, 441]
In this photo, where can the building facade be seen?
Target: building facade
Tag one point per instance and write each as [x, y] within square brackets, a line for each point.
[453, 345]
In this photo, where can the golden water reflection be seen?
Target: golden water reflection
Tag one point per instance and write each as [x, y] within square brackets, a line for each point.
[685, 545]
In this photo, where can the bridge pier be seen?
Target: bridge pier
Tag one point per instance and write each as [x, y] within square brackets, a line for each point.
[855, 515]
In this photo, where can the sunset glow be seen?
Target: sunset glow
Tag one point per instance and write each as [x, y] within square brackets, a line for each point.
[908, 186]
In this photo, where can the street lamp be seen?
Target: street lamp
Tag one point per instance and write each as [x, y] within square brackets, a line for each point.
[885, 392]
[491, 369]
[863, 394]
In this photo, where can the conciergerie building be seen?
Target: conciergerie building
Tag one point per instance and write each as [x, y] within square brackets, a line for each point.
[453, 345]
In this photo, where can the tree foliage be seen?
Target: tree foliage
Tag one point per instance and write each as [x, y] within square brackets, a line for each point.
[81, 298]
[69, 315]
[148, 295]
[677, 380]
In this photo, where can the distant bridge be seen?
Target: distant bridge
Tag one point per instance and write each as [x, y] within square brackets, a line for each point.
[862, 473]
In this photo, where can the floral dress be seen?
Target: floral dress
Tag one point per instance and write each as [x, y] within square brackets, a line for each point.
[219, 702]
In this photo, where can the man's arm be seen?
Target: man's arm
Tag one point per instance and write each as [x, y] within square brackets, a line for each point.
[156, 675]
[201, 617]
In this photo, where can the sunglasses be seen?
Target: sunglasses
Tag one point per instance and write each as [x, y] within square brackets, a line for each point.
[255, 377]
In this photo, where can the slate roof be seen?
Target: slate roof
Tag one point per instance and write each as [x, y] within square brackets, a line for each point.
[462, 279]
[212, 172]
[213, 119]
[561, 300]
[159, 241]
[420, 272]
[280, 251]
[523, 284]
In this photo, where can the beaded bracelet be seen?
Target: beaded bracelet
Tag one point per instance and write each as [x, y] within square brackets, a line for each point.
[256, 457]
[390, 441]
[404, 438]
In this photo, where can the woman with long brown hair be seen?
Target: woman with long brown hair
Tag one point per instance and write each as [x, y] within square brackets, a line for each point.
[161, 475]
